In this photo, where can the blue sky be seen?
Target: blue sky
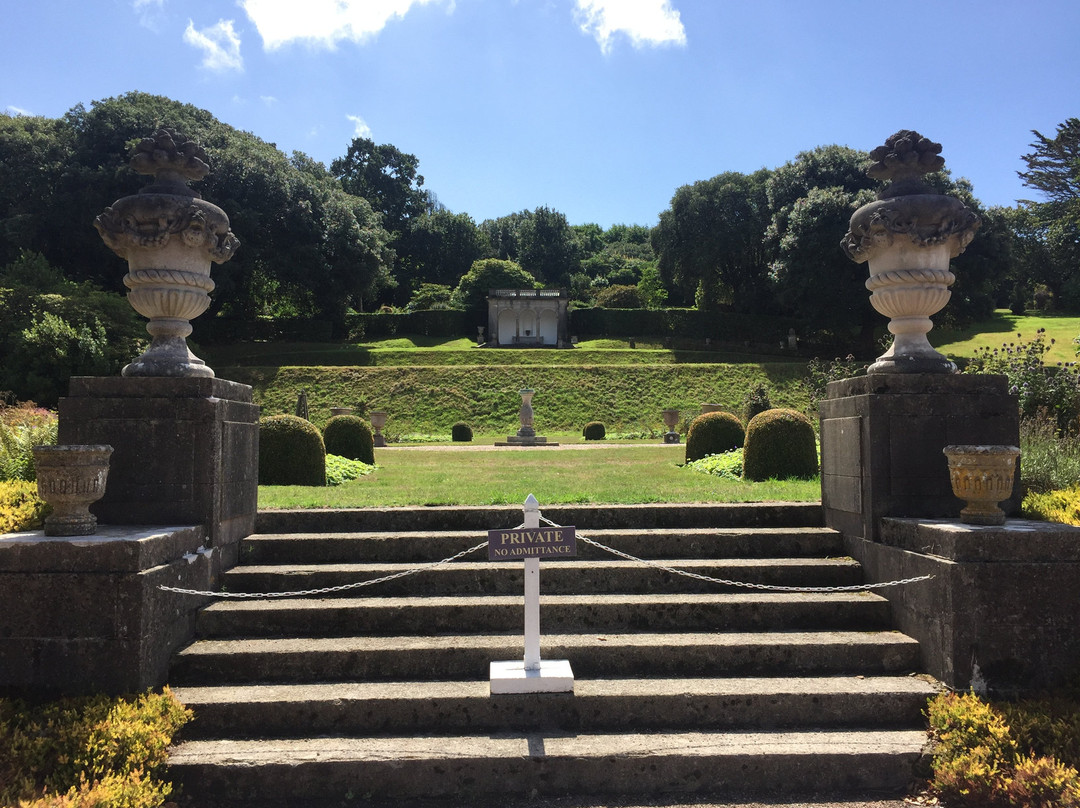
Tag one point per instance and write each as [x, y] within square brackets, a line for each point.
[597, 108]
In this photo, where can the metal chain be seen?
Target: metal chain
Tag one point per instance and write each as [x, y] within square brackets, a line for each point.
[742, 584]
[326, 589]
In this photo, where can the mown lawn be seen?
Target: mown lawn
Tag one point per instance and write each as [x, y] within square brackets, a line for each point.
[1004, 327]
[500, 476]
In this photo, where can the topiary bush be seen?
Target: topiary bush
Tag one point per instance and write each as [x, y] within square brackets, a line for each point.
[291, 452]
[755, 401]
[780, 444]
[350, 436]
[594, 430]
[713, 433]
[461, 432]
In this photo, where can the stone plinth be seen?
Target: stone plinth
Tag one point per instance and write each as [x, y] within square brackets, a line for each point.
[185, 451]
[882, 438]
[84, 615]
[999, 615]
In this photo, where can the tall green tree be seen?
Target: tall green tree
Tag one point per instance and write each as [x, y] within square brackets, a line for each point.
[709, 242]
[487, 274]
[386, 177]
[547, 248]
[437, 248]
[1054, 166]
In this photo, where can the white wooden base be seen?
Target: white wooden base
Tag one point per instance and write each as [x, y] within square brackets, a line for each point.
[553, 676]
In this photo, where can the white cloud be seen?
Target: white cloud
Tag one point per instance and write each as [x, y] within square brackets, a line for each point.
[220, 45]
[645, 22]
[362, 129]
[325, 22]
[268, 100]
[12, 110]
[150, 13]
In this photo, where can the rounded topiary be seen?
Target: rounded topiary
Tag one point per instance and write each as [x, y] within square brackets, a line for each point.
[461, 432]
[780, 444]
[350, 436]
[594, 430]
[291, 452]
[713, 433]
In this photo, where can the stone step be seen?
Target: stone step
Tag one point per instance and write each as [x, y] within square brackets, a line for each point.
[596, 705]
[472, 768]
[556, 577]
[591, 517]
[742, 611]
[405, 547]
[453, 657]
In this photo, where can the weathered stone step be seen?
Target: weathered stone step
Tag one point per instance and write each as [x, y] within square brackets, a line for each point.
[483, 518]
[314, 771]
[379, 708]
[452, 657]
[742, 611]
[404, 547]
[556, 577]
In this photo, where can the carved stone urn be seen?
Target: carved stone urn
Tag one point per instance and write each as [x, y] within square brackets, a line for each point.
[982, 476]
[71, 478]
[169, 236]
[671, 420]
[908, 236]
[378, 421]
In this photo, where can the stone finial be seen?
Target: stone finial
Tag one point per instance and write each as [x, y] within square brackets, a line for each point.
[903, 160]
[173, 160]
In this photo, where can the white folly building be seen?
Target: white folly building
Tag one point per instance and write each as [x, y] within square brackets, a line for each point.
[519, 318]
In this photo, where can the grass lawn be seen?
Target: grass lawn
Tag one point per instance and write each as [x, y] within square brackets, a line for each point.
[501, 476]
[1004, 327]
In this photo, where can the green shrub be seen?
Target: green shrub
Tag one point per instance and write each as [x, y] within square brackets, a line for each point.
[90, 752]
[780, 444]
[291, 452]
[340, 469]
[713, 433]
[350, 436]
[1054, 506]
[727, 465]
[756, 401]
[977, 754]
[594, 430]
[461, 432]
[20, 506]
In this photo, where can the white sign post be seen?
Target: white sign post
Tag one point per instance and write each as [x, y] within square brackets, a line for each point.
[531, 674]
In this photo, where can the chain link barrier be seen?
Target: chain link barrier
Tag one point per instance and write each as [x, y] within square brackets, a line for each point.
[326, 590]
[739, 584]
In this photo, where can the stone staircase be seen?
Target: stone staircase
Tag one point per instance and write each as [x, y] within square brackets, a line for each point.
[380, 694]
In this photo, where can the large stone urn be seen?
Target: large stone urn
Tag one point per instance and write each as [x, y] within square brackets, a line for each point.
[378, 421]
[908, 236]
[71, 478]
[671, 421]
[169, 236]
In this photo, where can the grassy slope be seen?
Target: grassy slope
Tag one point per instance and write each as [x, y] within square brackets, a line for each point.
[429, 399]
[1004, 327]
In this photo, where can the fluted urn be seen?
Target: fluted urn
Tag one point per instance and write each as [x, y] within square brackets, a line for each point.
[169, 236]
[908, 236]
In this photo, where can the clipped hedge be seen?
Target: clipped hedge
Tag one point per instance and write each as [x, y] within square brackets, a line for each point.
[350, 436]
[461, 432]
[291, 452]
[683, 324]
[594, 430]
[780, 444]
[713, 433]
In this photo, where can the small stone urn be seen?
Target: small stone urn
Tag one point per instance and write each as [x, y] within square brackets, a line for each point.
[71, 478]
[671, 420]
[908, 237]
[982, 476]
[169, 236]
[378, 421]
[335, 411]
